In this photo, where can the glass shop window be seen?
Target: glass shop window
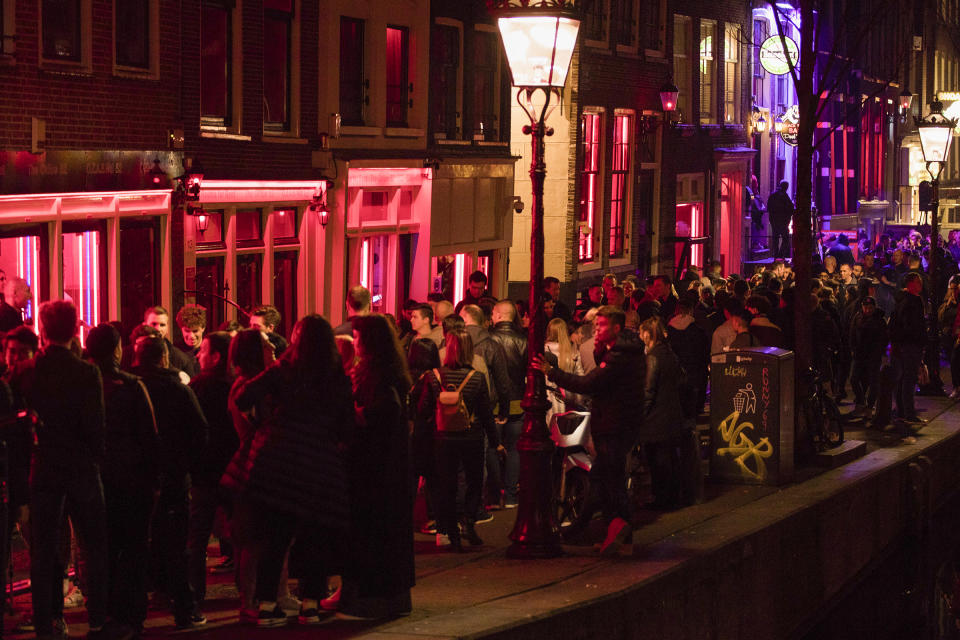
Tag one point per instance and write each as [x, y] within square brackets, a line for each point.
[61, 27]
[84, 277]
[285, 289]
[277, 50]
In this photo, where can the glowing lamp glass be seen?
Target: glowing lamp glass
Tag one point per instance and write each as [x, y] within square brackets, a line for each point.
[668, 98]
[203, 222]
[906, 98]
[760, 125]
[935, 139]
[539, 48]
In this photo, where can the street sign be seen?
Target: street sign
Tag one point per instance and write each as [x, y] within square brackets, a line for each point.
[773, 58]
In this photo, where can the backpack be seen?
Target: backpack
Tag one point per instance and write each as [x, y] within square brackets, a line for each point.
[452, 413]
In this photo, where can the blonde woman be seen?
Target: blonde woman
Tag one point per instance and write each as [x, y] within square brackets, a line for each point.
[568, 359]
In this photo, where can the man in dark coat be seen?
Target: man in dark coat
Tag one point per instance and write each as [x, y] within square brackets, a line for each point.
[183, 430]
[908, 335]
[16, 296]
[67, 395]
[780, 212]
[841, 251]
[514, 343]
[616, 387]
[358, 303]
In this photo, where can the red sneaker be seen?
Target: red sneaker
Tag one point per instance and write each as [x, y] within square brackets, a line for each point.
[618, 533]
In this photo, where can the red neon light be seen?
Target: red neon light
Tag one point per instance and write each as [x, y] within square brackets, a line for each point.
[364, 263]
[458, 277]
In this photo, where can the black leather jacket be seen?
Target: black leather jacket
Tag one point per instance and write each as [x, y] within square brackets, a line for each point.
[514, 345]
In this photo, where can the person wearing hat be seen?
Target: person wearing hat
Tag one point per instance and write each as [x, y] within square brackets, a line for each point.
[868, 343]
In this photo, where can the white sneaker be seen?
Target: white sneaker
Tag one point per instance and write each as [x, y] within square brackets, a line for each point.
[443, 540]
[956, 393]
[290, 605]
[74, 599]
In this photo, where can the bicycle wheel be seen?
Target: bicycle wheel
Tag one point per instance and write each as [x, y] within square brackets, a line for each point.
[570, 504]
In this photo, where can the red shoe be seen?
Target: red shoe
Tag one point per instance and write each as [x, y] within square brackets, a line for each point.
[618, 533]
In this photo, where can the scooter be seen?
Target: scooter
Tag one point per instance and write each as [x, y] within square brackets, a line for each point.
[570, 431]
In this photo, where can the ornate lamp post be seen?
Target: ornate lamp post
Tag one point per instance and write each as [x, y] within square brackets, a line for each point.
[936, 134]
[539, 37]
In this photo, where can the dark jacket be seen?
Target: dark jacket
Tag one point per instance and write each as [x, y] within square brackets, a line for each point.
[868, 336]
[67, 394]
[514, 345]
[345, 328]
[213, 395]
[474, 396]
[184, 358]
[842, 253]
[131, 430]
[779, 209]
[662, 411]
[492, 354]
[10, 318]
[180, 423]
[381, 497]
[615, 387]
[294, 463]
[907, 326]
[17, 431]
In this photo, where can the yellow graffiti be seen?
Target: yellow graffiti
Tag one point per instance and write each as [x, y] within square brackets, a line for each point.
[741, 446]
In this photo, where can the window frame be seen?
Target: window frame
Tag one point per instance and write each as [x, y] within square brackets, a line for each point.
[234, 82]
[708, 89]
[625, 199]
[633, 46]
[496, 74]
[405, 103]
[290, 125]
[83, 62]
[732, 33]
[683, 67]
[603, 11]
[8, 30]
[152, 70]
[364, 81]
[660, 50]
[593, 241]
[457, 26]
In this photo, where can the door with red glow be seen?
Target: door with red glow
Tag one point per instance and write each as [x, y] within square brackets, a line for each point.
[731, 221]
[139, 256]
[84, 274]
[370, 269]
[690, 224]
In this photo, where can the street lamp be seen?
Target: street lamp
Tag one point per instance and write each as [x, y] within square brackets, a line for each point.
[936, 134]
[539, 37]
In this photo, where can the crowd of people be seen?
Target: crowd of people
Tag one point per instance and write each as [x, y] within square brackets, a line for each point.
[304, 457]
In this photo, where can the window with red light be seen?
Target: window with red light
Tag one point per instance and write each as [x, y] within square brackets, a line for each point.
[285, 289]
[248, 228]
[484, 100]
[277, 50]
[216, 68]
[61, 28]
[619, 183]
[285, 226]
[353, 84]
[249, 279]
[132, 33]
[398, 68]
[444, 89]
[591, 131]
[214, 232]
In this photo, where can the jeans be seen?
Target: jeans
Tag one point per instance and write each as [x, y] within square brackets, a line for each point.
[170, 534]
[865, 379]
[511, 468]
[128, 534]
[204, 502]
[452, 452]
[308, 557]
[608, 482]
[906, 359]
[780, 243]
[80, 491]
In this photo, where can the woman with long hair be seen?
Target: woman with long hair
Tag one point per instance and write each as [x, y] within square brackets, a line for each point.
[458, 447]
[380, 571]
[568, 359]
[295, 476]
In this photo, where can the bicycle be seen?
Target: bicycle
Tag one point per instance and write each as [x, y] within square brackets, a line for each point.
[824, 422]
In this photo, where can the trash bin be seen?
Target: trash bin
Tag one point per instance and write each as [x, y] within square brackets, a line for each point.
[751, 416]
